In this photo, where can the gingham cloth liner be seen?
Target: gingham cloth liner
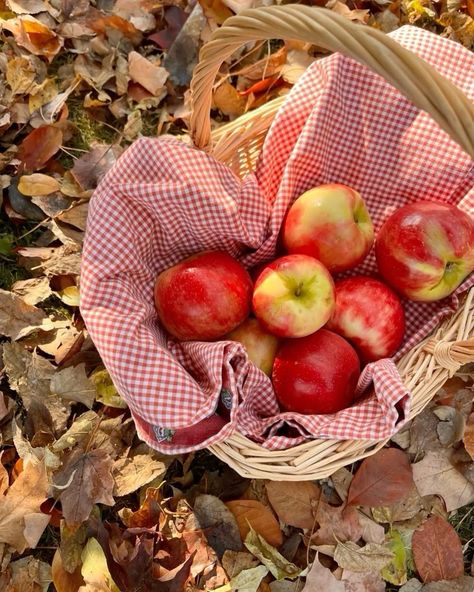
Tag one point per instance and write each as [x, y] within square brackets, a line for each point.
[165, 200]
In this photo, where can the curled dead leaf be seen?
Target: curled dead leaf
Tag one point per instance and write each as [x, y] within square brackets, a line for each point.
[252, 513]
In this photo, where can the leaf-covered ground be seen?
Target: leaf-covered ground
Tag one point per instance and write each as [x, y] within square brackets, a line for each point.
[84, 504]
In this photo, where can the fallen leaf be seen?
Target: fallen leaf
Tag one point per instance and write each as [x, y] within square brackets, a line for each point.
[31, 34]
[92, 167]
[437, 551]
[339, 523]
[413, 585]
[248, 580]
[321, 578]
[17, 318]
[236, 561]
[371, 557]
[436, 475]
[451, 427]
[30, 375]
[252, 513]
[22, 501]
[462, 584]
[107, 25]
[39, 146]
[382, 479]
[75, 216]
[72, 384]
[218, 523]
[371, 531]
[423, 433]
[293, 501]
[360, 15]
[73, 538]
[286, 586]
[132, 472]
[297, 62]
[33, 290]
[29, 574]
[396, 571]
[215, 10]
[63, 580]
[362, 582]
[341, 480]
[106, 392]
[149, 75]
[88, 480]
[37, 184]
[69, 295]
[21, 75]
[404, 509]
[468, 437]
[227, 99]
[94, 568]
[278, 566]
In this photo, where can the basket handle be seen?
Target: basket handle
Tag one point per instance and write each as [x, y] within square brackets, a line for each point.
[411, 75]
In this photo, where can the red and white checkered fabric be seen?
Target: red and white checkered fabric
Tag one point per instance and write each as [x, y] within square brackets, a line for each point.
[164, 201]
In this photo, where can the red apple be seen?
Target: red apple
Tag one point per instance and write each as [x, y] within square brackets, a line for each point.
[370, 315]
[330, 223]
[426, 249]
[203, 297]
[293, 296]
[261, 346]
[316, 374]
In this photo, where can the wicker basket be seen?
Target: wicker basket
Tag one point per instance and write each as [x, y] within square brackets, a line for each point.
[426, 368]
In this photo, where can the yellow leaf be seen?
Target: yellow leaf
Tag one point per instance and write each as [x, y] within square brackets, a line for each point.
[42, 94]
[37, 184]
[62, 579]
[227, 99]
[69, 295]
[20, 75]
[94, 567]
[106, 392]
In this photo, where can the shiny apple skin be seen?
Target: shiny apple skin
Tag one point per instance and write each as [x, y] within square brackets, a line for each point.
[316, 374]
[331, 223]
[260, 345]
[293, 296]
[203, 297]
[425, 250]
[370, 316]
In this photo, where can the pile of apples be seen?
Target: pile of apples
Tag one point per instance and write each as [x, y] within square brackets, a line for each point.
[310, 333]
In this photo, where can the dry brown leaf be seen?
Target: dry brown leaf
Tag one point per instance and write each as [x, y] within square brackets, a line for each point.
[37, 184]
[321, 578]
[461, 584]
[27, 6]
[30, 375]
[39, 146]
[65, 260]
[91, 168]
[29, 574]
[4, 479]
[437, 551]
[215, 10]
[132, 472]
[468, 437]
[31, 34]
[293, 501]
[72, 543]
[405, 509]
[75, 216]
[62, 579]
[23, 500]
[149, 75]
[21, 75]
[371, 557]
[362, 582]
[89, 481]
[252, 513]
[336, 524]
[234, 562]
[110, 24]
[33, 290]
[381, 479]
[72, 384]
[436, 475]
[227, 99]
[148, 514]
[218, 523]
[371, 531]
[17, 318]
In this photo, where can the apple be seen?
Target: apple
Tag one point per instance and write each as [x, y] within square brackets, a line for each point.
[293, 296]
[316, 374]
[369, 315]
[425, 250]
[261, 346]
[203, 297]
[330, 223]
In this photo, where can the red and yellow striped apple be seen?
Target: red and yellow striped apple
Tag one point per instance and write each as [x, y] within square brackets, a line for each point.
[425, 250]
[293, 296]
[203, 297]
[261, 346]
[370, 316]
[316, 374]
[330, 223]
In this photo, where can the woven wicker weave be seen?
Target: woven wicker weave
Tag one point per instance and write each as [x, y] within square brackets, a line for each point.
[426, 368]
